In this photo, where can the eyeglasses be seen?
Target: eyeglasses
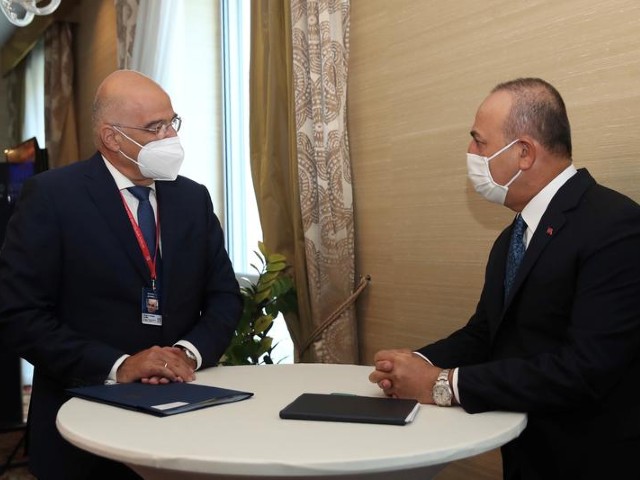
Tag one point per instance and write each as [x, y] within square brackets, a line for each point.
[160, 130]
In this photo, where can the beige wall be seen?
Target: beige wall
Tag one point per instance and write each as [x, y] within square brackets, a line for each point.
[418, 71]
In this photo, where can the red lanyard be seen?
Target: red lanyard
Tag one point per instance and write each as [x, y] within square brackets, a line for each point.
[151, 262]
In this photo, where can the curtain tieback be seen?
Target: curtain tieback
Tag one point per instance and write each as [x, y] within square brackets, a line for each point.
[364, 281]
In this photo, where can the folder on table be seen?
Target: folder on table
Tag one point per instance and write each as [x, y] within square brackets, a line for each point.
[351, 408]
[159, 400]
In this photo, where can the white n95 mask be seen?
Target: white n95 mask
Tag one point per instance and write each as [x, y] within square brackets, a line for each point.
[480, 176]
[159, 159]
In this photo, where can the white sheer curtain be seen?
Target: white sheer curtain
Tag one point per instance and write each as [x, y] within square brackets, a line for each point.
[177, 44]
[159, 31]
[33, 120]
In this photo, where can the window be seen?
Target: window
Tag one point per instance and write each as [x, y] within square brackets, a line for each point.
[33, 126]
[242, 220]
[243, 224]
[33, 121]
[209, 118]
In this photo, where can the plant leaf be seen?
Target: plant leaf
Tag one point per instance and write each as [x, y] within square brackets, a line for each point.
[276, 258]
[265, 345]
[262, 323]
[276, 266]
[267, 278]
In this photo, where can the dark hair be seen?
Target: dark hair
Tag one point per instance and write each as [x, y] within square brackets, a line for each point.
[538, 110]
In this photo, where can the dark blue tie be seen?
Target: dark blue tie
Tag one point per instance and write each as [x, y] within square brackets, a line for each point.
[516, 252]
[146, 218]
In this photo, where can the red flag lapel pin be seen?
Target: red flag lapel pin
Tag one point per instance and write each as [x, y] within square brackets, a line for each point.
[549, 231]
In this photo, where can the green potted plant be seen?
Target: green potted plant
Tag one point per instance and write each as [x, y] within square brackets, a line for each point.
[271, 294]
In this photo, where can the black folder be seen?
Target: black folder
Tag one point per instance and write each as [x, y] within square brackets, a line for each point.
[160, 400]
[351, 408]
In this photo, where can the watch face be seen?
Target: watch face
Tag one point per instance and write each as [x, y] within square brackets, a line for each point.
[442, 394]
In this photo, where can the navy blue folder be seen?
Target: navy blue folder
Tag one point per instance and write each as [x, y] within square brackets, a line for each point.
[160, 400]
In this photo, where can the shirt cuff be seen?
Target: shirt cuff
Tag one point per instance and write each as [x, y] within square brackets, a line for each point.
[189, 346]
[454, 381]
[111, 379]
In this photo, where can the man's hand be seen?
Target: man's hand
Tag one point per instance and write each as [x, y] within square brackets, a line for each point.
[156, 365]
[402, 374]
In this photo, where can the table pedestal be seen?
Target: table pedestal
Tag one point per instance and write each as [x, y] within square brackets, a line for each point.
[424, 473]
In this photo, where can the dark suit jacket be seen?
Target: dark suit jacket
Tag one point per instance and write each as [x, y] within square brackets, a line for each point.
[565, 346]
[71, 279]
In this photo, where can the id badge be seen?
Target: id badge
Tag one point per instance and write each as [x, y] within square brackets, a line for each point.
[151, 313]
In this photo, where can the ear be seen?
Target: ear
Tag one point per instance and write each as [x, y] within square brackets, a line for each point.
[108, 136]
[526, 149]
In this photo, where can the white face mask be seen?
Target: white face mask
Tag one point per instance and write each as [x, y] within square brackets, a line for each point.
[480, 176]
[158, 160]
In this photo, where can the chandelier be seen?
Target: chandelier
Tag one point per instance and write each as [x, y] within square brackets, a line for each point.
[21, 12]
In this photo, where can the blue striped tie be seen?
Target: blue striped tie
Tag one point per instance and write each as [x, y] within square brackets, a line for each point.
[516, 253]
[146, 218]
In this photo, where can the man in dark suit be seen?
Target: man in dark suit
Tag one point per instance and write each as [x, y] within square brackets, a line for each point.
[81, 265]
[559, 338]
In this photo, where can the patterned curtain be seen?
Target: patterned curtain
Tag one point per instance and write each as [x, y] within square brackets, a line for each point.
[300, 165]
[60, 120]
[320, 33]
[126, 15]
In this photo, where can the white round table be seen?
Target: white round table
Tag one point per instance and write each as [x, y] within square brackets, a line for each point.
[247, 439]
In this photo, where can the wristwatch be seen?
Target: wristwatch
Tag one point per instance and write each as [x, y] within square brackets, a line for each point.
[190, 355]
[442, 393]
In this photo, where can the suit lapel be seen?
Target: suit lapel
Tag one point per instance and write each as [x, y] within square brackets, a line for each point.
[104, 193]
[551, 223]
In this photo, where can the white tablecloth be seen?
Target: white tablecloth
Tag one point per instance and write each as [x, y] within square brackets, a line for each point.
[248, 439]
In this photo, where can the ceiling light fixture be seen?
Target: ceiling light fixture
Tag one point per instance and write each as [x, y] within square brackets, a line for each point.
[21, 12]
